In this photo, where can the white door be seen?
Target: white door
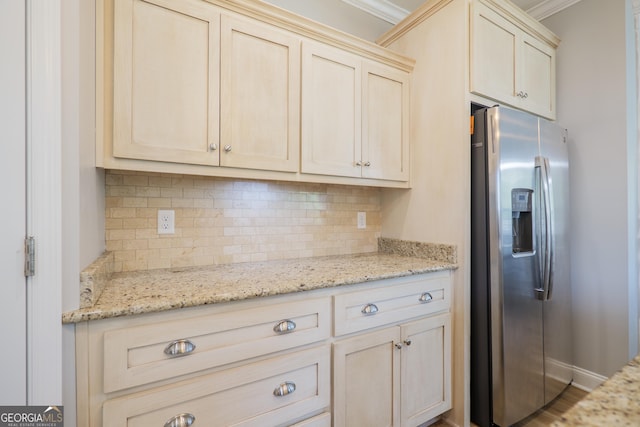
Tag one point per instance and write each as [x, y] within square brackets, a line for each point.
[13, 360]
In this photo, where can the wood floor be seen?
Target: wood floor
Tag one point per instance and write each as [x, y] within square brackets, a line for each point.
[547, 415]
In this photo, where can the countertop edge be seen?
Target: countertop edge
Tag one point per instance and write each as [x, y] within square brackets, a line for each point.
[97, 313]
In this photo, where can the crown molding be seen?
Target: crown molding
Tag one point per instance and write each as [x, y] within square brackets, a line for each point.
[382, 9]
[549, 7]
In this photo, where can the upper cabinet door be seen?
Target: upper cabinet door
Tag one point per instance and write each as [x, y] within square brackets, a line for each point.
[508, 63]
[493, 55]
[164, 110]
[259, 96]
[538, 76]
[331, 111]
[385, 123]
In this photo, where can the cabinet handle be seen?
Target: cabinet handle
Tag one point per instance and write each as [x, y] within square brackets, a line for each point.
[369, 309]
[284, 389]
[398, 345]
[407, 342]
[182, 420]
[284, 326]
[213, 147]
[179, 348]
[227, 148]
[426, 297]
[359, 163]
[367, 164]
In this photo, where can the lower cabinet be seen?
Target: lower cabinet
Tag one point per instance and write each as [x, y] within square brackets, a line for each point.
[270, 361]
[397, 376]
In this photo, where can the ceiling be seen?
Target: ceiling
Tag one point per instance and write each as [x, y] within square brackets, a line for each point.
[369, 19]
[537, 8]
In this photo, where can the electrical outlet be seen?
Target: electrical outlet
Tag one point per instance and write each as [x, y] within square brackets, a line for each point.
[166, 222]
[362, 220]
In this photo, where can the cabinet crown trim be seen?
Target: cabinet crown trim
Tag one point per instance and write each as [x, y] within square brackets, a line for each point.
[305, 27]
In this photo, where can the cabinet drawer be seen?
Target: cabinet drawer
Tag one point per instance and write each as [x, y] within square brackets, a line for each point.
[135, 356]
[243, 396]
[322, 420]
[411, 297]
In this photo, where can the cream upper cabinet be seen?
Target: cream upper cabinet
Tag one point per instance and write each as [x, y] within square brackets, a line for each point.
[243, 89]
[385, 123]
[192, 85]
[259, 96]
[331, 111]
[512, 58]
[355, 119]
[164, 109]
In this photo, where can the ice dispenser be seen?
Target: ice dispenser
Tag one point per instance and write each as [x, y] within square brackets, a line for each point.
[521, 220]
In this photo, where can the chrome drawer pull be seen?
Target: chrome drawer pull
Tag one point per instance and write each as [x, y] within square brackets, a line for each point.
[426, 297]
[284, 326]
[180, 348]
[284, 389]
[182, 420]
[369, 309]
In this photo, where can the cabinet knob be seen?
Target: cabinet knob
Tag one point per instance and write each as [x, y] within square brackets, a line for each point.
[398, 345]
[359, 163]
[426, 297]
[369, 309]
[407, 342]
[213, 147]
[179, 348]
[227, 148]
[284, 389]
[284, 326]
[367, 164]
[182, 420]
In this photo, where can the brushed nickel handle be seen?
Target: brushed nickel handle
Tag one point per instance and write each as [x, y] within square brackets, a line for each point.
[213, 147]
[398, 345]
[367, 163]
[369, 309]
[284, 389]
[407, 342]
[284, 326]
[359, 163]
[227, 148]
[426, 297]
[179, 348]
[182, 420]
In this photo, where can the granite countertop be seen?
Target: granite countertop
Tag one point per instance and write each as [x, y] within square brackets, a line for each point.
[122, 294]
[616, 402]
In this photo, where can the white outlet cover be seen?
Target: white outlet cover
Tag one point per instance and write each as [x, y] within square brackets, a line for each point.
[362, 220]
[166, 222]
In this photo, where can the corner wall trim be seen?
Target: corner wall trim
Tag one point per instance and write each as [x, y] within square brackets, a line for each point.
[586, 380]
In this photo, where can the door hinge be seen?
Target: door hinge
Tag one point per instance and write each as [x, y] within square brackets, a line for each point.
[29, 256]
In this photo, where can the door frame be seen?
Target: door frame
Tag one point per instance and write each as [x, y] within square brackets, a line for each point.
[44, 202]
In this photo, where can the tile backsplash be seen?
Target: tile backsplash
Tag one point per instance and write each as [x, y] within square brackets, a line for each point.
[223, 221]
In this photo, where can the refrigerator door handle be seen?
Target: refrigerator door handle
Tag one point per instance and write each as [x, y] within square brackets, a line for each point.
[546, 229]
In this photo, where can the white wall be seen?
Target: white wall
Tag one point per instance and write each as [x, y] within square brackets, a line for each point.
[592, 104]
[82, 184]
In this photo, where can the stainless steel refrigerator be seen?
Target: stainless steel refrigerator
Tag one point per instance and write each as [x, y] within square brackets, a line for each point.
[521, 353]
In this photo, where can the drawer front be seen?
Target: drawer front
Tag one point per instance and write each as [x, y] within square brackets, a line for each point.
[135, 356]
[411, 297]
[322, 420]
[243, 396]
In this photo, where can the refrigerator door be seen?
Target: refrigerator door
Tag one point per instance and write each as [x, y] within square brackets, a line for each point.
[516, 313]
[558, 358]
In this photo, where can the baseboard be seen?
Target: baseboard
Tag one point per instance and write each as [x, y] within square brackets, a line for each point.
[586, 380]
